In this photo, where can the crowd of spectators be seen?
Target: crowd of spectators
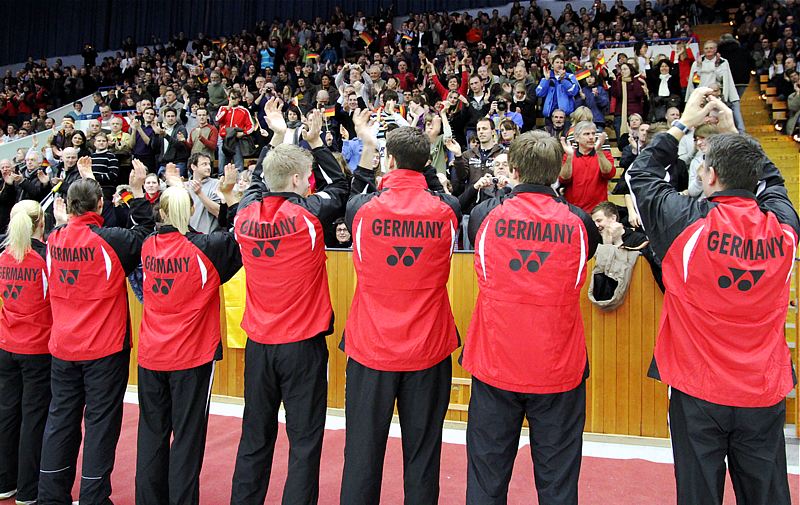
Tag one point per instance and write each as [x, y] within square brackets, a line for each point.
[472, 83]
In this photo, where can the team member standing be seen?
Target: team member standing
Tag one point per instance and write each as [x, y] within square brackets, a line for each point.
[531, 252]
[179, 341]
[25, 323]
[400, 332]
[90, 344]
[727, 265]
[288, 309]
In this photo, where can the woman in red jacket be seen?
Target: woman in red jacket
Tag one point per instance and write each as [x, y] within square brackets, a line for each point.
[179, 342]
[25, 322]
[629, 92]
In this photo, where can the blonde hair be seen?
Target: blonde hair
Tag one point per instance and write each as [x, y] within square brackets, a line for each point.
[282, 162]
[25, 218]
[176, 208]
[582, 113]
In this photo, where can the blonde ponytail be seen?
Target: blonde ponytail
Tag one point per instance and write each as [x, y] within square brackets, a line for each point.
[176, 208]
[25, 218]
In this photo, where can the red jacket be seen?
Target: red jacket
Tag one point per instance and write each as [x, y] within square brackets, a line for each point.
[182, 275]
[236, 117]
[726, 268]
[403, 239]
[283, 251]
[87, 267]
[25, 319]
[588, 186]
[531, 252]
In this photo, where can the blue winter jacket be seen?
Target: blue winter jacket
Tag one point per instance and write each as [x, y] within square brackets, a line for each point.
[598, 103]
[558, 94]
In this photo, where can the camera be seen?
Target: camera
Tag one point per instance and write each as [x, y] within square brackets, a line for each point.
[495, 180]
[501, 106]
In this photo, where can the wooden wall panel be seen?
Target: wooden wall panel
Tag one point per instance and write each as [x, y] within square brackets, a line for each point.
[620, 397]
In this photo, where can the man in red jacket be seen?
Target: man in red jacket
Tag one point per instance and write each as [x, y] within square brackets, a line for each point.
[288, 309]
[727, 264]
[400, 332]
[531, 254]
[90, 341]
[230, 118]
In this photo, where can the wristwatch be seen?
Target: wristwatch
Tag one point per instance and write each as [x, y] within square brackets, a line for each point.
[682, 127]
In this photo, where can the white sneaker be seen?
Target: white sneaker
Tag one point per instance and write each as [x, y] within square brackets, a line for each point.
[8, 494]
[32, 502]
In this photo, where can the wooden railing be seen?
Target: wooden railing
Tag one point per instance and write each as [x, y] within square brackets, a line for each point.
[620, 397]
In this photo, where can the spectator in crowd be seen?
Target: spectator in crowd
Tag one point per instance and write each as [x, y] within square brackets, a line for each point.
[75, 113]
[701, 135]
[79, 143]
[25, 324]
[629, 93]
[558, 88]
[142, 134]
[586, 170]
[595, 97]
[204, 192]
[32, 183]
[342, 235]
[105, 170]
[558, 126]
[475, 163]
[235, 120]
[712, 68]
[664, 85]
[739, 60]
[169, 142]
[525, 106]
[203, 138]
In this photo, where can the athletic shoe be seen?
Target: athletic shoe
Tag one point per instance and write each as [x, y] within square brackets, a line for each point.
[8, 494]
[32, 502]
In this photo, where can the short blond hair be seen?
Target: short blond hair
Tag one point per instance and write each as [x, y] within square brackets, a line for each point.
[282, 162]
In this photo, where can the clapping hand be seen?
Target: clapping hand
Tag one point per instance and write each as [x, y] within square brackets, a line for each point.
[228, 181]
[274, 117]
[363, 125]
[60, 211]
[567, 147]
[137, 177]
[85, 167]
[313, 128]
[172, 175]
[453, 146]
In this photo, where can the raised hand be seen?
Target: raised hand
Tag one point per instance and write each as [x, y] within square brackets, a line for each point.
[85, 167]
[313, 129]
[453, 146]
[567, 147]
[363, 124]
[228, 181]
[273, 114]
[601, 139]
[724, 114]
[60, 211]
[137, 177]
[172, 175]
[42, 176]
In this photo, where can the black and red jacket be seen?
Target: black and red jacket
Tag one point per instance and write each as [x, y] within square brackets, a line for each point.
[726, 267]
[283, 251]
[181, 279]
[531, 252]
[25, 319]
[403, 239]
[87, 267]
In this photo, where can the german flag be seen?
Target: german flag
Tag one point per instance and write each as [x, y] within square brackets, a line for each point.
[366, 38]
[583, 74]
[329, 111]
[601, 60]
[312, 56]
[407, 37]
[126, 196]
[696, 79]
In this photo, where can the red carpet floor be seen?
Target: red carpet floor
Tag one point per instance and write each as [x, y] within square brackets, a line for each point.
[603, 481]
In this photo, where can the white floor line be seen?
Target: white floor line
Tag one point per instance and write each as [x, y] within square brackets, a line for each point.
[459, 437]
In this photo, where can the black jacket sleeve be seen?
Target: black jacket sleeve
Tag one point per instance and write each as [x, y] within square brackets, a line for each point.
[477, 216]
[772, 197]
[127, 243]
[329, 201]
[362, 190]
[593, 237]
[223, 251]
[665, 213]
